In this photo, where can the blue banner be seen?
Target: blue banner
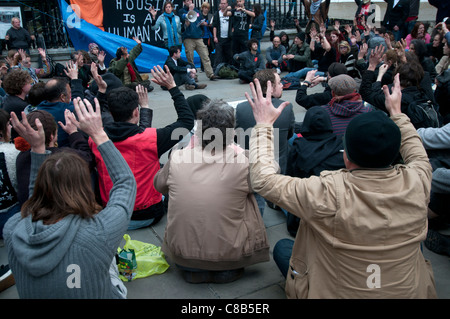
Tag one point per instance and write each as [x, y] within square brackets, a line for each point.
[82, 33]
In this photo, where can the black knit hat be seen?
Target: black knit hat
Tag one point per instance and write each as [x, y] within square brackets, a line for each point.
[372, 140]
[301, 36]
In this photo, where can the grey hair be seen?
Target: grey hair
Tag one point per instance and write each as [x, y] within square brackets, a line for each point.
[217, 123]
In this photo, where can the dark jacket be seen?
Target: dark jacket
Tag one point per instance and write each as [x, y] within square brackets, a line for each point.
[309, 100]
[57, 109]
[192, 31]
[316, 150]
[285, 125]
[396, 16]
[18, 39]
[77, 143]
[257, 27]
[373, 95]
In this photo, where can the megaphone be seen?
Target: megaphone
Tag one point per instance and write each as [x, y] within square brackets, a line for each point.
[192, 16]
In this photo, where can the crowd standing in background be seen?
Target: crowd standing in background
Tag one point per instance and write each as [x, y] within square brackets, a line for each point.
[376, 138]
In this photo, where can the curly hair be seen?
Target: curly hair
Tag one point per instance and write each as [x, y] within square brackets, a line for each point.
[15, 80]
[217, 123]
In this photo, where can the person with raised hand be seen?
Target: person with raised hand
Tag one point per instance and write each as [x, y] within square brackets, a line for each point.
[361, 227]
[62, 244]
[142, 145]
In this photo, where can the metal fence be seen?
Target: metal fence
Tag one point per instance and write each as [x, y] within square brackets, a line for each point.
[43, 18]
[282, 12]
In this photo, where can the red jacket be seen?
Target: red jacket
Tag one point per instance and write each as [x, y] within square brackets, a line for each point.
[141, 153]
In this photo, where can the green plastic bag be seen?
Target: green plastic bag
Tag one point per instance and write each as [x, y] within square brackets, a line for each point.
[149, 258]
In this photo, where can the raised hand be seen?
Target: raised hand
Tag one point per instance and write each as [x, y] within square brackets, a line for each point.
[89, 121]
[36, 138]
[163, 78]
[263, 109]
[394, 99]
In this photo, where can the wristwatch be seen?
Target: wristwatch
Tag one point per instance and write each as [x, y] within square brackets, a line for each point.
[307, 83]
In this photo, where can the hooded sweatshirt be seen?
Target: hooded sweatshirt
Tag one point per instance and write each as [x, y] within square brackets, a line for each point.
[343, 109]
[71, 258]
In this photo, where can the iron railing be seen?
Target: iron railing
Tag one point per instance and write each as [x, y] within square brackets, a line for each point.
[43, 18]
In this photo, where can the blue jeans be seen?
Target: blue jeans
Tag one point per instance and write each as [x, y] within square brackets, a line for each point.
[302, 73]
[282, 254]
[261, 203]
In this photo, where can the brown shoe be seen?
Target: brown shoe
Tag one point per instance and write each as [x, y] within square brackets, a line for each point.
[6, 278]
[201, 86]
[213, 77]
[189, 87]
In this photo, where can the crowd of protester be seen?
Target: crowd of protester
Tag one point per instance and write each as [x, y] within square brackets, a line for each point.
[364, 179]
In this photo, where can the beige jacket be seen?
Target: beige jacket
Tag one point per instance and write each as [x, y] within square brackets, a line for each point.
[213, 220]
[360, 230]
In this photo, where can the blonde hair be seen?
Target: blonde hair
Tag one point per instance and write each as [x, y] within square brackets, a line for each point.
[206, 5]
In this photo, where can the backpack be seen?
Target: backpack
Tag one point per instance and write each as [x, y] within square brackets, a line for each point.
[290, 83]
[226, 71]
[423, 114]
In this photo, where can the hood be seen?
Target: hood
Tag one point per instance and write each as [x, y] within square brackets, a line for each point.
[318, 143]
[119, 131]
[347, 105]
[316, 124]
[40, 248]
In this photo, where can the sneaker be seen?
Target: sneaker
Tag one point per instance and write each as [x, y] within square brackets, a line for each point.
[213, 77]
[6, 278]
[201, 86]
[189, 87]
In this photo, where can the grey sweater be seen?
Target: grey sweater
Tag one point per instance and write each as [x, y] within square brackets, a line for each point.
[47, 260]
[437, 138]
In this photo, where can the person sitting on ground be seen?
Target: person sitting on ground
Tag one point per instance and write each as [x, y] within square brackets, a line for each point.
[309, 100]
[314, 149]
[299, 55]
[284, 124]
[17, 84]
[9, 204]
[77, 143]
[346, 103]
[142, 145]
[59, 93]
[250, 62]
[124, 67]
[348, 58]
[284, 37]
[420, 50]
[182, 71]
[274, 56]
[98, 57]
[419, 33]
[61, 227]
[212, 244]
[412, 81]
[371, 215]
[25, 64]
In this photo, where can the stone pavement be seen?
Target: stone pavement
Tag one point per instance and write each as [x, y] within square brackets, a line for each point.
[261, 281]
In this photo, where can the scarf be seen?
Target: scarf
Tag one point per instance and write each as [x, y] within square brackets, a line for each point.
[131, 71]
[353, 97]
[171, 29]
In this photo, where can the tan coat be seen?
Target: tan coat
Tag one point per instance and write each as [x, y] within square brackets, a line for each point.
[360, 230]
[213, 220]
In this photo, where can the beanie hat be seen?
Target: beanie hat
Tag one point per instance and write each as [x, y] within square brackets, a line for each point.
[301, 36]
[372, 140]
[92, 46]
[336, 68]
[342, 84]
